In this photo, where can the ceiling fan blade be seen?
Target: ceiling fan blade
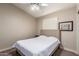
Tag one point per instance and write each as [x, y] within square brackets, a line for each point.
[43, 4]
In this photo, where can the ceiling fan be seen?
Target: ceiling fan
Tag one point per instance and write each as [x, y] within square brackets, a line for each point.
[37, 6]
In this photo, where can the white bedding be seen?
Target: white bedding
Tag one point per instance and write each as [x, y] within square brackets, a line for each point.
[40, 46]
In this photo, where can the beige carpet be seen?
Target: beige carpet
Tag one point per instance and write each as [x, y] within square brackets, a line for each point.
[59, 52]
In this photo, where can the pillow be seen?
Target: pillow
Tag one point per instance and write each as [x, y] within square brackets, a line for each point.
[53, 38]
[42, 36]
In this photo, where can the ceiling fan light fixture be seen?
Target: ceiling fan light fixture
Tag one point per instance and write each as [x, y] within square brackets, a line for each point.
[44, 4]
[35, 7]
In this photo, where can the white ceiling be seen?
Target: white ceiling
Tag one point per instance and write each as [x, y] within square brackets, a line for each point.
[52, 7]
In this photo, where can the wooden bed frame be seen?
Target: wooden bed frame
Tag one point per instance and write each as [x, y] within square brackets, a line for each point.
[55, 33]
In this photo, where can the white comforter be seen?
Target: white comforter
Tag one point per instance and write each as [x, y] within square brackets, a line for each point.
[40, 46]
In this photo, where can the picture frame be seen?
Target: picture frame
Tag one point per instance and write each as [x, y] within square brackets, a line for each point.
[66, 26]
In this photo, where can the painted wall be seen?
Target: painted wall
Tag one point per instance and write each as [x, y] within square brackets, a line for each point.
[15, 24]
[68, 37]
[77, 24]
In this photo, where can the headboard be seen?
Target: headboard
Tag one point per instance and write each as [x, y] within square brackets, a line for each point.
[55, 33]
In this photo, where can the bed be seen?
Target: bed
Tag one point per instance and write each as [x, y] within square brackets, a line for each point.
[39, 46]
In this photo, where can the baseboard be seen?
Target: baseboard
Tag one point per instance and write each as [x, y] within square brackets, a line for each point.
[70, 50]
[6, 49]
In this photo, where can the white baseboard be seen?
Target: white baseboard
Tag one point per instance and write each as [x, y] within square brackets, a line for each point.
[70, 50]
[6, 49]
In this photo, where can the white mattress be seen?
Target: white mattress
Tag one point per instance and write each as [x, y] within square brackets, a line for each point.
[40, 46]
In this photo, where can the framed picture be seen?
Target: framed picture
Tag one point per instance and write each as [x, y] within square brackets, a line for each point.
[66, 26]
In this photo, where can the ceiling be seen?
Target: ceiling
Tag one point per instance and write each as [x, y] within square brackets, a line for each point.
[52, 7]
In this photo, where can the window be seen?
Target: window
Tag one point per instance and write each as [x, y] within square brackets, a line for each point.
[50, 23]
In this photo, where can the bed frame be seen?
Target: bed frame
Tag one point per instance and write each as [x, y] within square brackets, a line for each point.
[55, 33]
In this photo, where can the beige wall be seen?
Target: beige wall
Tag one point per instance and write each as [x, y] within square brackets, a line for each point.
[68, 37]
[77, 24]
[15, 24]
